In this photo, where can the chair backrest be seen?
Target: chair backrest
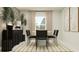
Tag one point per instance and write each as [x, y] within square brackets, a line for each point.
[56, 32]
[28, 32]
[41, 33]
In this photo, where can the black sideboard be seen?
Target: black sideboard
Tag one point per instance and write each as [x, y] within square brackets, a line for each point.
[10, 38]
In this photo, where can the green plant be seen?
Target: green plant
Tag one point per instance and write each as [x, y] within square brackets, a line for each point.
[8, 14]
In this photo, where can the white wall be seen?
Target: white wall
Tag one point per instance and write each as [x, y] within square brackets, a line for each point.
[69, 39]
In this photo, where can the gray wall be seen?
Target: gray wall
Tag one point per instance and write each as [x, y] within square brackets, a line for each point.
[1, 27]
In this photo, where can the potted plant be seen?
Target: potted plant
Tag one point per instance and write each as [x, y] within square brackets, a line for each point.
[8, 16]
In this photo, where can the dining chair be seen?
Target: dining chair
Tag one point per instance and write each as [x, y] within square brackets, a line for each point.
[41, 38]
[28, 36]
[55, 34]
[28, 32]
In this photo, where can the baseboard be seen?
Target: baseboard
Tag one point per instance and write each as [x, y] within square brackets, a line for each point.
[61, 43]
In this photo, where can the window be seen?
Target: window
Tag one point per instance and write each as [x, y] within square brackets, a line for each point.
[40, 22]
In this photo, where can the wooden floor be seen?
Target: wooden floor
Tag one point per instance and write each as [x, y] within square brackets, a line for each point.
[23, 47]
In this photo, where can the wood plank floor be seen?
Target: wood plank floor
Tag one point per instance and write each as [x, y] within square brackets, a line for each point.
[31, 47]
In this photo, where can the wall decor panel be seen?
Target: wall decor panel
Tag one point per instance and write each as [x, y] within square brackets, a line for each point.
[74, 19]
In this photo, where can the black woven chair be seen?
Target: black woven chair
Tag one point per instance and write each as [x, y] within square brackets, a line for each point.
[55, 34]
[28, 36]
[28, 32]
[41, 35]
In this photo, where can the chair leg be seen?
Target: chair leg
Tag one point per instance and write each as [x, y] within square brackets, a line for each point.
[28, 41]
[47, 43]
[36, 44]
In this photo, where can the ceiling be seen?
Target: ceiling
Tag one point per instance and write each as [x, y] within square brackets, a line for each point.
[39, 8]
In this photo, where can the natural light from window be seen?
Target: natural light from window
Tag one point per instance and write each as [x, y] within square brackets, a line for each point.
[40, 22]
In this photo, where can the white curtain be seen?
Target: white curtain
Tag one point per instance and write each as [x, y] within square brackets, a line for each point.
[49, 22]
[32, 23]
